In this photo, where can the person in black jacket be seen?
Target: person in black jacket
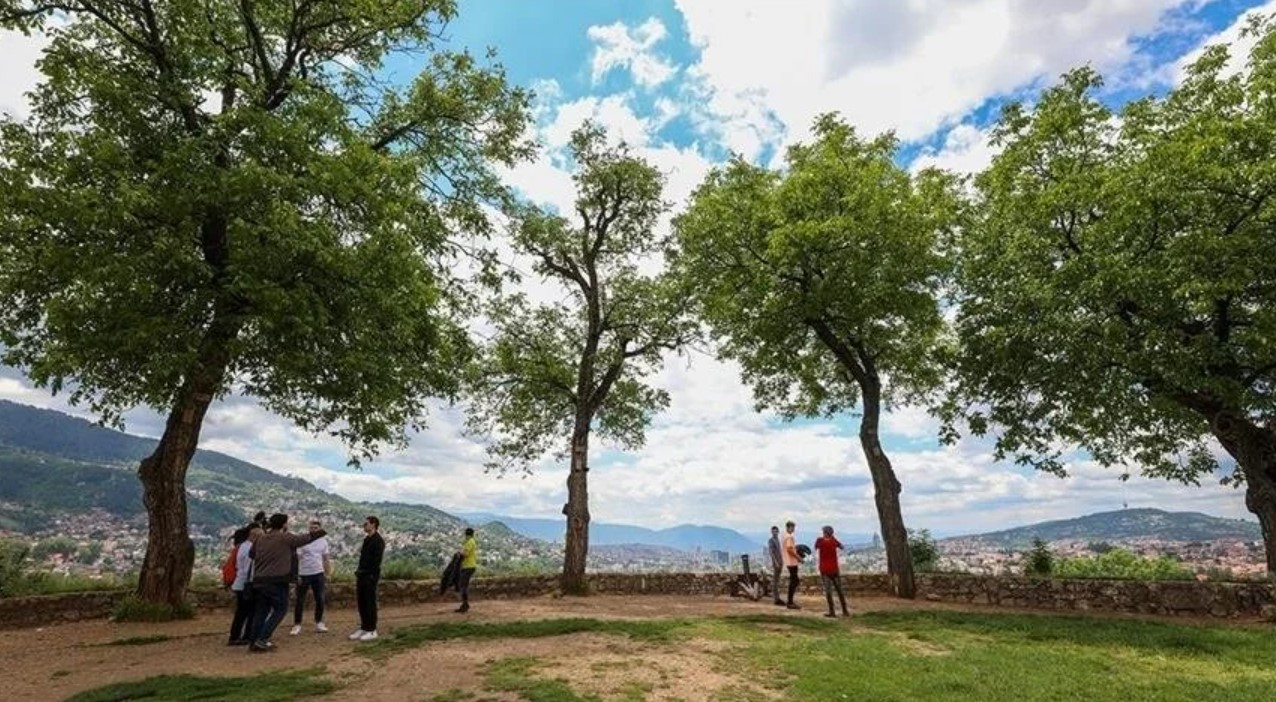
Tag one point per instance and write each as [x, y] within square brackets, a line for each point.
[366, 576]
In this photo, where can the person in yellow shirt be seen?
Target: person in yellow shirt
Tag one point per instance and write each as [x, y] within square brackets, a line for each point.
[469, 562]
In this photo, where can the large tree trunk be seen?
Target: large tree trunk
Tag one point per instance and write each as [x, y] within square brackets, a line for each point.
[886, 488]
[170, 555]
[1254, 448]
[577, 513]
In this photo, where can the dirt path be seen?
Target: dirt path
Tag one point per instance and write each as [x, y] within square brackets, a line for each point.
[54, 662]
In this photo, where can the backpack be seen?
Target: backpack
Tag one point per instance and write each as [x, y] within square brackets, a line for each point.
[229, 569]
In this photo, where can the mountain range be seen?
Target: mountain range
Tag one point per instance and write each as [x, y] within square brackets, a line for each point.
[63, 476]
[1125, 524]
[685, 537]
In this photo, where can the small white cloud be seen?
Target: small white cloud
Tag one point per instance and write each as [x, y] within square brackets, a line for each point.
[619, 46]
[966, 149]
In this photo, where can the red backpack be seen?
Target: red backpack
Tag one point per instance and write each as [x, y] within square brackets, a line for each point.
[229, 569]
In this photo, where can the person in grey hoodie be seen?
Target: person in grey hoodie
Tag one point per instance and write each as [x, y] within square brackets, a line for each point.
[777, 563]
[274, 568]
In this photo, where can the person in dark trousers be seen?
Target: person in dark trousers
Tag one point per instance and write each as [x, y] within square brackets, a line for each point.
[313, 568]
[827, 547]
[777, 563]
[274, 568]
[241, 624]
[366, 576]
[469, 563]
[791, 561]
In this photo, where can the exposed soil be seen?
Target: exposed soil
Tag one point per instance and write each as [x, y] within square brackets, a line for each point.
[52, 663]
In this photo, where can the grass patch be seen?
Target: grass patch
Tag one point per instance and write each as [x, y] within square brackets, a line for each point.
[134, 609]
[138, 640]
[951, 656]
[516, 675]
[415, 636]
[269, 687]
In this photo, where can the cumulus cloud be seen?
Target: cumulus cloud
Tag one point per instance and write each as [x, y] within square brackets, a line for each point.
[912, 66]
[619, 46]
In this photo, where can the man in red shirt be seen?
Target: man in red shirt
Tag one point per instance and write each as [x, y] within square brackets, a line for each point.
[827, 547]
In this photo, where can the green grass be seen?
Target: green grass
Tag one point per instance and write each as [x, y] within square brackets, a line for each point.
[279, 686]
[415, 636]
[516, 675]
[943, 656]
[133, 609]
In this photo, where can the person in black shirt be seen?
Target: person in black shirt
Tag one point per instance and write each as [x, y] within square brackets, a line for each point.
[366, 577]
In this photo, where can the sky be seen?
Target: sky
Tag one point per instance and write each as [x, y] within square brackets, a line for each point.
[686, 83]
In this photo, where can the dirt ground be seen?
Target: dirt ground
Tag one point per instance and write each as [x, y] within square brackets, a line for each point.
[54, 662]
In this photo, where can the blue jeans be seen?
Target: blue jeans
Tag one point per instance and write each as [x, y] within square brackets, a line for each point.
[314, 582]
[271, 603]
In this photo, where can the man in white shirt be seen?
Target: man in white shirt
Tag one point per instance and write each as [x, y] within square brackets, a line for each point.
[791, 561]
[313, 567]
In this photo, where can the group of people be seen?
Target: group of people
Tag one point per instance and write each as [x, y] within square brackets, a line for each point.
[787, 554]
[266, 560]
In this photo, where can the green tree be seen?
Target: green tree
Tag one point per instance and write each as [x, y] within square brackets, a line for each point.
[822, 282]
[211, 197]
[1039, 561]
[923, 553]
[1118, 291]
[1122, 564]
[558, 371]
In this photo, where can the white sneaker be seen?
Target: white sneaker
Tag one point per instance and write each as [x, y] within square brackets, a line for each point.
[296, 629]
[358, 634]
[368, 636]
[321, 627]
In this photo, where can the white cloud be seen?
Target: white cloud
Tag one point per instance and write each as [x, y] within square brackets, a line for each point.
[966, 149]
[18, 74]
[618, 46]
[1240, 46]
[909, 66]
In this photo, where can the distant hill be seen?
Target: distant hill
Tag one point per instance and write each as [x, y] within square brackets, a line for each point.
[685, 537]
[1126, 524]
[60, 475]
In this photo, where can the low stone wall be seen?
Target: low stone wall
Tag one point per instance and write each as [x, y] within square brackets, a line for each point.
[1187, 598]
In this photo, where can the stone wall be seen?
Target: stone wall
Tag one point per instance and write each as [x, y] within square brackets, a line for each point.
[1188, 598]
[1185, 597]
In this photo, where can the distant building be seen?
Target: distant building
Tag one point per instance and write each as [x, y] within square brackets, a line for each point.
[877, 541]
[720, 557]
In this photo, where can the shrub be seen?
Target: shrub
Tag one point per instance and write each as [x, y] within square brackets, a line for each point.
[134, 609]
[923, 551]
[1121, 564]
[13, 565]
[1039, 561]
[401, 569]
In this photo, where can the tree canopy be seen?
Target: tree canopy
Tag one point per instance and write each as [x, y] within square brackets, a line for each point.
[215, 196]
[1118, 289]
[823, 282]
[557, 370]
[191, 167]
[589, 350]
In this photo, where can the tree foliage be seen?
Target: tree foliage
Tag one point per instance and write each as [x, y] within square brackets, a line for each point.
[923, 550]
[823, 283]
[1039, 561]
[234, 174]
[1119, 289]
[551, 364]
[844, 243]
